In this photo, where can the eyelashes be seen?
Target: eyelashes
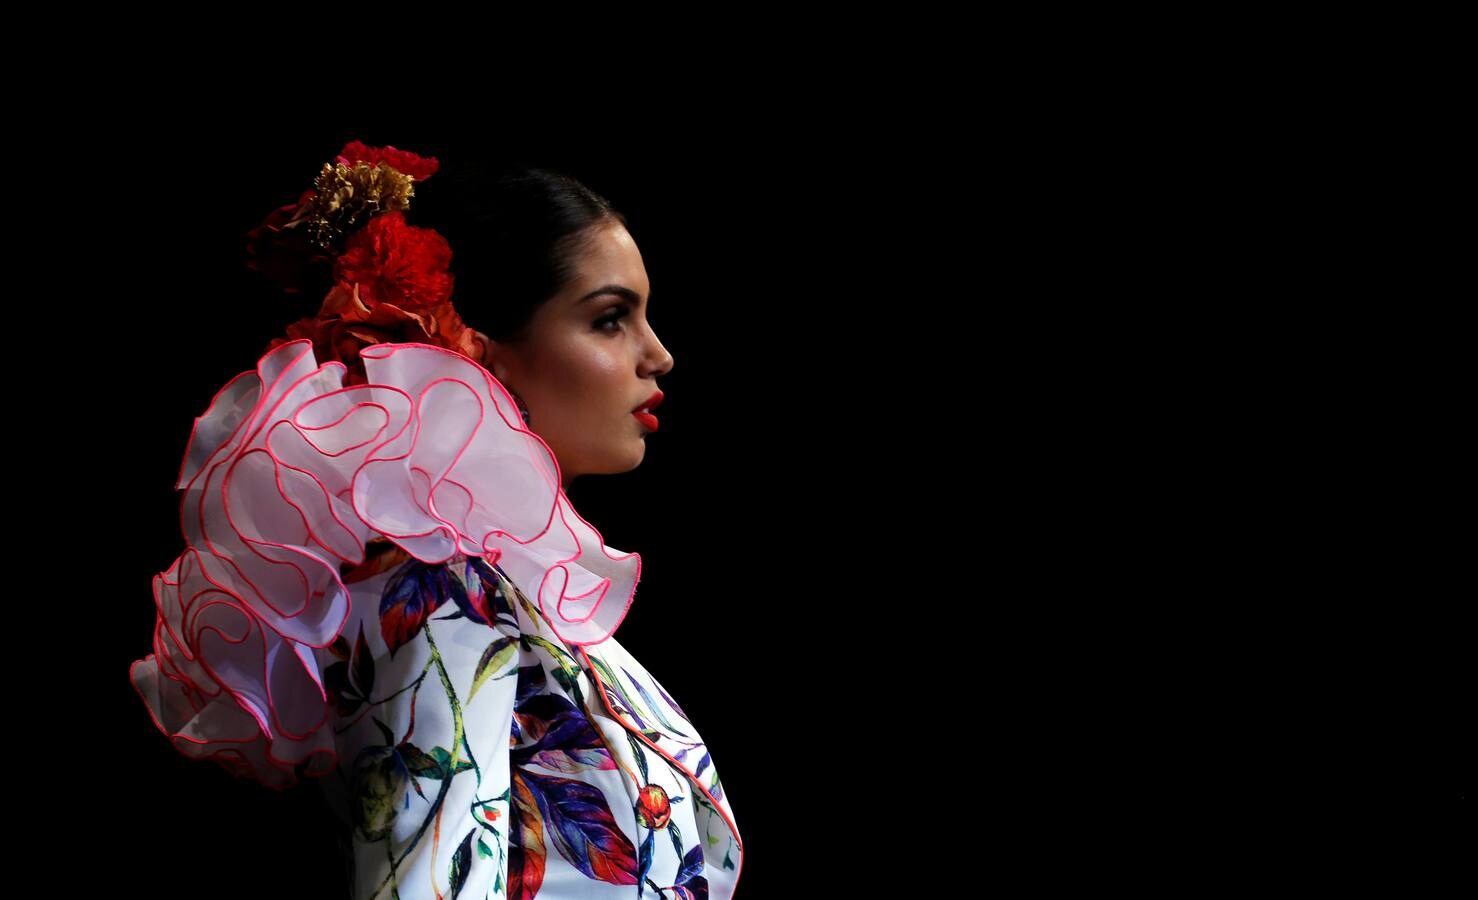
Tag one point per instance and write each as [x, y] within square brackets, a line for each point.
[612, 322]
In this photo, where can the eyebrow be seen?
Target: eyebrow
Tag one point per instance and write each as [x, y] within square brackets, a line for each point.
[619, 290]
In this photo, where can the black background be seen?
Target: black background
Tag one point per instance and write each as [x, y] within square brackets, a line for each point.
[1059, 532]
[755, 511]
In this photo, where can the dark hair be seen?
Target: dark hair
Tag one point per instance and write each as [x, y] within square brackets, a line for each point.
[514, 232]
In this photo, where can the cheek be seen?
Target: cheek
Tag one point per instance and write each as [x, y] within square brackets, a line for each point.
[588, 380]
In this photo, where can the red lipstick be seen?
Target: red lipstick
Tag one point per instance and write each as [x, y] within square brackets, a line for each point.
[643, 413]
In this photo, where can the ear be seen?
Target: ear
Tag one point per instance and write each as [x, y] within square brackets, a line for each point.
[492, 356]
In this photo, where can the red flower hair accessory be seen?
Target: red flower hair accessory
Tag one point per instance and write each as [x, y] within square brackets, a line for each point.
[391, 280]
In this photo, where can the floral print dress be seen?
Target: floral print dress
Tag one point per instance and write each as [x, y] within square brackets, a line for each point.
[481, 756]
[385, 590]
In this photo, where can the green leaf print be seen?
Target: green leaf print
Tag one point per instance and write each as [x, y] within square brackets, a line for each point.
[494, 659]
[461, 865]
[443, 765]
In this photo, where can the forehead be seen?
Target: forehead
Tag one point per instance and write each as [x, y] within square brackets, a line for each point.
[610, 257]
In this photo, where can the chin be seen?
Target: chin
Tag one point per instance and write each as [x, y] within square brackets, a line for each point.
[617, 465]
[638, 454]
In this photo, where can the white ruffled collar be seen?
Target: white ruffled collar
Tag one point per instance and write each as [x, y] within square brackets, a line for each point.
[286, 476]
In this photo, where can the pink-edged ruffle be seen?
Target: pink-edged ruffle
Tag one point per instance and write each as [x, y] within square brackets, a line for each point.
[286, 476]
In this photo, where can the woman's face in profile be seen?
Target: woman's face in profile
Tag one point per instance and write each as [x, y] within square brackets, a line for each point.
[589, 360]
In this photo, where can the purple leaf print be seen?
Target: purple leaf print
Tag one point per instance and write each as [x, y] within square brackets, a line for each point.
[651, 704]
[691, 884]
[476, 595]
[564, 739]
[416, 591]
[614, 693]
[531, 682]
[692, 865]
[671, 702]
[485, 600]
[579, 822]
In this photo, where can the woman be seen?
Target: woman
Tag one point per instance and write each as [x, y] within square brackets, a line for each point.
[386, 587]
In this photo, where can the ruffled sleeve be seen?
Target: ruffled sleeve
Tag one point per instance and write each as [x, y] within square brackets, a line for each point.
[286, 477]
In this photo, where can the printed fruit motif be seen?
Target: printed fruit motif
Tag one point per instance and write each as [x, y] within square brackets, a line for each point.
[652, 808]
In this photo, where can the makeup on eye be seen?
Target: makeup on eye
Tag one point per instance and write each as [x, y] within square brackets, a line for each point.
[614, 315]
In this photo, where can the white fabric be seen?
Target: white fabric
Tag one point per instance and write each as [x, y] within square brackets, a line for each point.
[286, 478]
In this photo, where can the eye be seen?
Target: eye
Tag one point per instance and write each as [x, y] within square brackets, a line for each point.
[612, 322]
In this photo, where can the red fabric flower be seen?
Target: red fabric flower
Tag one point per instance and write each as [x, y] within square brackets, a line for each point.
[396, 263]
[284, 254]
[391, 282]
[402, 161]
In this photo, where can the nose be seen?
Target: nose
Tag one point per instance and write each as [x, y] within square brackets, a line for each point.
[657, 360]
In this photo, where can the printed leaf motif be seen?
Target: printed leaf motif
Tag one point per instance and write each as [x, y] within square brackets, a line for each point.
[380, 555]
[558, 654]
[461, 865]
[691, 883]
[494, 659]
[475, 597]
[676, 834]
[616, 693]
[340, 692]
[581, 826]
[652, 704]
[526, 851]
[363, 666]
[563, 738]
[639, 750]
[385, 731]
[531, 683]
[377, 785]
[645, 860]
[444, 763]
[567, 681]
[671, 702]
[419, 762]
[487, 600]
[567, 669]
[692, 865]
[412, 595]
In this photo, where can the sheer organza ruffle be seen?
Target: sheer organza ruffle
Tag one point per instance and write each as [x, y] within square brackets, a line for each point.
[286, 477]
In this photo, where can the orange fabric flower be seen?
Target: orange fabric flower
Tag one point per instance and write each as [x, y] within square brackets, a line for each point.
[346, 324]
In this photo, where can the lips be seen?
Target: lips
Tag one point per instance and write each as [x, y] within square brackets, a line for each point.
[650, 403]
[643, 413]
